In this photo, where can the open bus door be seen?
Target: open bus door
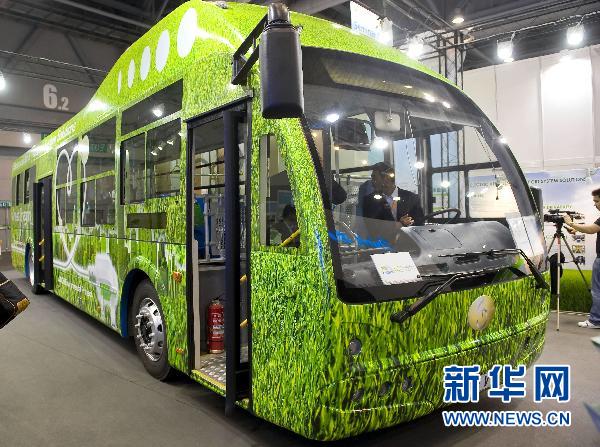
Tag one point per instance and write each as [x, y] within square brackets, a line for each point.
[42, 234]
[218, 244]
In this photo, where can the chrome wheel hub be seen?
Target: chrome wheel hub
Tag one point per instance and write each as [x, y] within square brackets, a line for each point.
[30, 267]
[150, 330]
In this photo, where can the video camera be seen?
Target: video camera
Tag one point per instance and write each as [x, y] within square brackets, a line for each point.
[554, 216]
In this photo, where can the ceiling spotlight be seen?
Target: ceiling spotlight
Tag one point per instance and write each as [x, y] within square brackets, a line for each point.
[446, 104]
[415, 48]
[575, 35]
[386, 33]
[458, 19]
[332, 117]
[429, 97]
[26, 138]
[505, 51]
[503, 140]
[380, 143]
[419, 165]
[2, 81]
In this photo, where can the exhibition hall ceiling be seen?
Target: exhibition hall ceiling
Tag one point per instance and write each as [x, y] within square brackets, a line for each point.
[540, 25]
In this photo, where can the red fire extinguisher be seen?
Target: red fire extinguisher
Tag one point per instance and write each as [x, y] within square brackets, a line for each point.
[215, 327]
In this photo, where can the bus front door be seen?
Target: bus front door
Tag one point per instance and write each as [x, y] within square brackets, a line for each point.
[42, 233]
[218, 167]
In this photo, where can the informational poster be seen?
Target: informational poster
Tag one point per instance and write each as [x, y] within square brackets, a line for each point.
[364, 21]
[570, 191]
[490, 196]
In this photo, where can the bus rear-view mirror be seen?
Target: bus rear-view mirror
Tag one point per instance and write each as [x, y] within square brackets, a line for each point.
[280, 60]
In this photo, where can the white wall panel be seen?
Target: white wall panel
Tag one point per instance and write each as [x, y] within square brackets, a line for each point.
[480, 85]
[518, 107]
[568, 130]
[595, 58]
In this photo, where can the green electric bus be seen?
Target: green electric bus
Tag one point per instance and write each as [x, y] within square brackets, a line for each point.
[360, 218]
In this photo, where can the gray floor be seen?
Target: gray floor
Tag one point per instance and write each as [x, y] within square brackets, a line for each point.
[66, 380]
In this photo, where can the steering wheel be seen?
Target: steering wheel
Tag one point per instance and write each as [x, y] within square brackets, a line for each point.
[456, 212]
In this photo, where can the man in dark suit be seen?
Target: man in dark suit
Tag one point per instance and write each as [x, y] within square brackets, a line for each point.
[388, 202]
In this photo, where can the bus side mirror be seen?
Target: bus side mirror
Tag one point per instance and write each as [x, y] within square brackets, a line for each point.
[280, 60]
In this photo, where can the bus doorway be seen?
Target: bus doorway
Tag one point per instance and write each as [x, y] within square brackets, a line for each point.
[218, 244]
[42, 235]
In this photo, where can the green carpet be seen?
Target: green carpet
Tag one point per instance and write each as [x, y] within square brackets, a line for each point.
[574, 295]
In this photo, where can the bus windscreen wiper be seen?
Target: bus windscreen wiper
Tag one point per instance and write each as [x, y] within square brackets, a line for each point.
[539, 279]
[402, 316]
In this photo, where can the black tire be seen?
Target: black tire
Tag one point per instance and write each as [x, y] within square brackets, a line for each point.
[147, 323]
[35, 287]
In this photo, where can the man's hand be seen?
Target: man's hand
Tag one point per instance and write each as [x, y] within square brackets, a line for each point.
[406, 220]
[567, 219]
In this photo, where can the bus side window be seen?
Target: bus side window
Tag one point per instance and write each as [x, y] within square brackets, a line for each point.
[101, 156]
[163, 152]
[18, 190]
[132, 167]
[88, 203]
[105, 200]
[26, 186]
[161, 104]
[277, 210]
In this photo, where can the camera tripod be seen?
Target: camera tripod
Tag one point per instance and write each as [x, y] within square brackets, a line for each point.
[558, 237]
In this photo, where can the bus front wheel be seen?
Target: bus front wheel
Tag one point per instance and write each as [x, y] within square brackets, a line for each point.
[35, 288]
[150, 335]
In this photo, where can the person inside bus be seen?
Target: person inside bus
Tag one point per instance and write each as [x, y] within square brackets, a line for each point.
[288, 225]
[389, 202]
[593, 322]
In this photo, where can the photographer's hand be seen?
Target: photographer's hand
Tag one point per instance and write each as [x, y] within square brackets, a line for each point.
[588, 229]
[568, 219]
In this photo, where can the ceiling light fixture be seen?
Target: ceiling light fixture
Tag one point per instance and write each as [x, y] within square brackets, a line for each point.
[386, 31]
[575, 35]
[26, 138]
[332, 117]
[415, 48]
[2, 81]
[458, 19]
[380, 143]
[505, 50]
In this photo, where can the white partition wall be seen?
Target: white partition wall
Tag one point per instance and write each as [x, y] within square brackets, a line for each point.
[548, 108]
[595, 59]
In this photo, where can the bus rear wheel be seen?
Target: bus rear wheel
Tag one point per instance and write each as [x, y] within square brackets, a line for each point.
[149, 331]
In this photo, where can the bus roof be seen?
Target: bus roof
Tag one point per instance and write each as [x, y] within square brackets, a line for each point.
[193, 30]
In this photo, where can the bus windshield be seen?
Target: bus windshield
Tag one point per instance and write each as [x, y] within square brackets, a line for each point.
[420, 184]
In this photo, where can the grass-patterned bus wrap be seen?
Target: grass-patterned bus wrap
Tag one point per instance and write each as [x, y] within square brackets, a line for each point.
[303, 376]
